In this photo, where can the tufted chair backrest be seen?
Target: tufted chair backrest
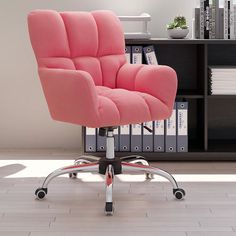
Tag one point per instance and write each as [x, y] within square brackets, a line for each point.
[89, 41]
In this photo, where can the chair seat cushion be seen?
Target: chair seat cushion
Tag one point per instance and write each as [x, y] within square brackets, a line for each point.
[121, 106]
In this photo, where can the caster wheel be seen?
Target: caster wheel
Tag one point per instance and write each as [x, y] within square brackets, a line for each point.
[40, 193]
[72, 175]
[109, 209]
[179, 193]
[149, 176]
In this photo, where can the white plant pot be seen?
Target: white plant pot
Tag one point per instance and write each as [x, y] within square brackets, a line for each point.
[177, 33]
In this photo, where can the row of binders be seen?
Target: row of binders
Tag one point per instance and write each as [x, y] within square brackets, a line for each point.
[169, 135]
[134, 54]
[215, 20]
[222, 80]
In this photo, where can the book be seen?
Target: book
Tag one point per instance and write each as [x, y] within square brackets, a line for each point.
[228, 19]
[222, 80]
[214, 19]
[197, 23]
[231, 20]
[206, 19]
[221, 23]
[202, 18]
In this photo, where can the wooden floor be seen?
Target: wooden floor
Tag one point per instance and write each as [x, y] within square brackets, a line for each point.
[75, 207]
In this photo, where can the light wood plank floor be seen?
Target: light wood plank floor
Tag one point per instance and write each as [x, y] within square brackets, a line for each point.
[75, 207]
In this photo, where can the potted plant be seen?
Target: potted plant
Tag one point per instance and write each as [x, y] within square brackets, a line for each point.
[178, 29]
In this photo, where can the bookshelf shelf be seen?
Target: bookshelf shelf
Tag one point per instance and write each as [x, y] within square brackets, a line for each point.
[212, 118]
[188, 93]
[221, 96]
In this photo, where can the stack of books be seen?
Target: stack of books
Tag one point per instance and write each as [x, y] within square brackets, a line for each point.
[213, 21]
[222, 80]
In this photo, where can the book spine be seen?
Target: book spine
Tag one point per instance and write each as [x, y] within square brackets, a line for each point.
[225, 19]
[228, 18]
[211, 32]
[197, 23]
[217, 18]
[234, 21]
[221, 23]
[202, 19]
[206, 19]
[232, 36]
[213, 19]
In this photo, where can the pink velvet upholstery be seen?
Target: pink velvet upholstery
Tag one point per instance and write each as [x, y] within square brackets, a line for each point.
[84, 74]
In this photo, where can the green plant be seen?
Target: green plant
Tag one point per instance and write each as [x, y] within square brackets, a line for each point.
[179, 22]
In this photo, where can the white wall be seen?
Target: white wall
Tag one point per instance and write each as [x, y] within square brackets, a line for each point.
[24, 118]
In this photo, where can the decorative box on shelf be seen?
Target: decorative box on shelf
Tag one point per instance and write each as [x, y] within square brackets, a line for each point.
[144, 18]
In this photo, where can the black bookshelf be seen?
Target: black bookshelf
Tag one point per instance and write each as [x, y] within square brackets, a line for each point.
[212, 118]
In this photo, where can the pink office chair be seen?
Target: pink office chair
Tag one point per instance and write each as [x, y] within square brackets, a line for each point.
[87, 81]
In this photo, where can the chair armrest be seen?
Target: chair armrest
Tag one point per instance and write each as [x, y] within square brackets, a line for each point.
[158, 81]
[71, 95]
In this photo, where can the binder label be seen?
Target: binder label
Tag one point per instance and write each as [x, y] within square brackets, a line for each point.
[136, 129]
[90, 131]
[159, 127]
[182, 122]
[124, 129]
[151, 57]
[171, 124]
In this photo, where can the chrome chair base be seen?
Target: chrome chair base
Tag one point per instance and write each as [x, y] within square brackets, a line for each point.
[91, 164]
[110, 166]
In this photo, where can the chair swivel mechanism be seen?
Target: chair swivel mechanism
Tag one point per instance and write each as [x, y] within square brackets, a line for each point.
[87, 81]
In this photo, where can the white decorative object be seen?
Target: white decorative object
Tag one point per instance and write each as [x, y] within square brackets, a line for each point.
[177, 33]
[144, 33]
